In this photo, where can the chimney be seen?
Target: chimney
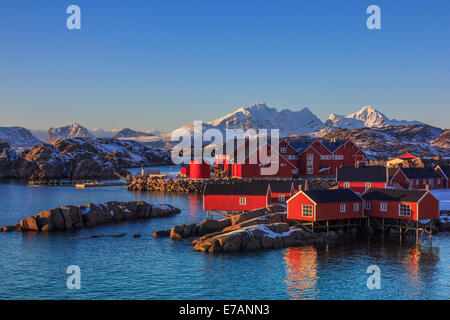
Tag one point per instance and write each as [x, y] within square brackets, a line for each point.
[427, 187]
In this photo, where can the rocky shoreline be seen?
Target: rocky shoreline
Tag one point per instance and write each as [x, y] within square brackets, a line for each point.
[185, 185]
[91, 215]
[77, 158]
[266, 228]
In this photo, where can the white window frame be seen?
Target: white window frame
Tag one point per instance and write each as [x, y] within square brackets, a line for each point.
[309, 210]
[424, 181]
[383, 206]
[342, 207]
[292, 157]
[281, 198]
[356, 207]
[309, 156]
[368, 185]
[400, 211]
[283, 164]
[283, 150]
[242, 201]
[346, 185]
[367, 205]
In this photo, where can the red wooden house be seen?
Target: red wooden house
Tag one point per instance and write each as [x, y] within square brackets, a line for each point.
[197, 170]
[185, 171]
[325, 205]
[401, 204]
[281, 190]
[323, 157]
[362, 178]
[299, 156]
[253, 165]
[444, 172]
[417, 178]
[236, 197]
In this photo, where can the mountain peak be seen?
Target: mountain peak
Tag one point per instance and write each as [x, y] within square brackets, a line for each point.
[73, 130]
[261, 116]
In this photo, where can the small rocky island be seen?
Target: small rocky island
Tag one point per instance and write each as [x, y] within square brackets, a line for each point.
[90, 215]
[265, 228]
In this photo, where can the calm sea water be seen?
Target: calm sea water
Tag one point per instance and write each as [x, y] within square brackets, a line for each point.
[33, 266]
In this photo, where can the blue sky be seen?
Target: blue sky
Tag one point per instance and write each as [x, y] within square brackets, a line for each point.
[162, 64]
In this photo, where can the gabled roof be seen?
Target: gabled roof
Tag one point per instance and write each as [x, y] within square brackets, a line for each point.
[332, 195]
[445, 170]
[300, 184]
[393, 195]
[362, 174]
[333, 145]
[276, 186]
[407, 156]
[237, 189]
[392, 172]
[420, 173]
[300, 144]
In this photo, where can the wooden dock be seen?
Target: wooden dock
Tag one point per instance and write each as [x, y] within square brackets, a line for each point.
[97, 184]
[74, 183]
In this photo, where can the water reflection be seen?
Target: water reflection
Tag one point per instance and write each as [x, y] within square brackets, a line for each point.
[301, 272]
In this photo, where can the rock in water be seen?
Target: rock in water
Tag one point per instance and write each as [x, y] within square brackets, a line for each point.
[90, 215]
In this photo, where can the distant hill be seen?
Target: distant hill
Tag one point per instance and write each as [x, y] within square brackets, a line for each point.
[128, 133]
[70, 131]
[388, 141]
[18, 137]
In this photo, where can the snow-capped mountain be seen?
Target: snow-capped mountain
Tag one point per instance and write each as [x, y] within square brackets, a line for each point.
[260, 116]
[71, 131]
[383, 142]
[18, 137]
[128, 133]
[367, 117]
[102, 133]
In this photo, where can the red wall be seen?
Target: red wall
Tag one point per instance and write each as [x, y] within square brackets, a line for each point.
[199, 170]
[444, 180]
[231, 202]
[360, 187]
[331, 211]
[322, 211]
[349, 151]
[400, 179]
[274, 198]
[429, 207]
[294, 207]
[392, 210]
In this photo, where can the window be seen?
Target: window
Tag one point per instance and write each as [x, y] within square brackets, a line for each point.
[242, 201]
[292, 157]
[347, 185]
[417, 181]
[338, 157]
[325, 157]
[342, 207]
[356, 207]
[368, 185]
[404, 210]
[281, 198]
[367, 205]
[383, 206]
[283, 164]
[307, 210]
[309, 164]
[424, 181]
[283, 150]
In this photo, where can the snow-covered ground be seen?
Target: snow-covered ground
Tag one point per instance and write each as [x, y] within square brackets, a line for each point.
[443, 196]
